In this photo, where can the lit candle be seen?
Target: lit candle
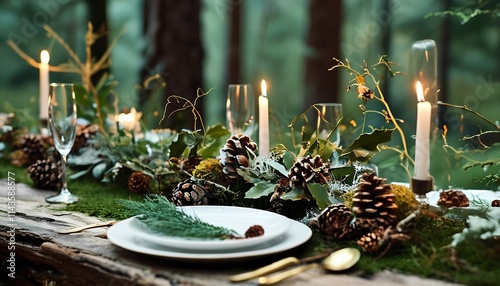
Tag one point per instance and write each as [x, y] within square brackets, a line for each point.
[422, 159]
[44, 85]
[129, 120]
[263, 121]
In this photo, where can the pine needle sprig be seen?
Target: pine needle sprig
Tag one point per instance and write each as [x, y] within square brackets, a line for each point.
[162, 216]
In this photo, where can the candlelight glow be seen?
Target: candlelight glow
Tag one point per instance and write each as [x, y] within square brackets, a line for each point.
[44, 57]
[263, 87]
[420, 92]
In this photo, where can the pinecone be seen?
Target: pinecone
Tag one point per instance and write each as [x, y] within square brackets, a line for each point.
[307, 169]
[335, 221]
[453, 198]
[373, 203]
[34, 147]
[371, 241]
[138, 182]
[235, 154]
[46, 174]
[188, 193]
[83, 134]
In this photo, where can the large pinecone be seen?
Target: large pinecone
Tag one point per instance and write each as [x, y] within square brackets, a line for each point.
[234, 154]
[308, 169]
[34, 146]
[373, 203]
[188, 193]
[46, 174]
[335, 221]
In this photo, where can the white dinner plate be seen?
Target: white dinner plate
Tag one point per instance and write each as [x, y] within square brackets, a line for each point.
[238, 219]
[125, 236]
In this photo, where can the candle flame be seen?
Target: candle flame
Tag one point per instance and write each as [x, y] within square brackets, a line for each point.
[420, 92]
[44, 56]
[264, 88]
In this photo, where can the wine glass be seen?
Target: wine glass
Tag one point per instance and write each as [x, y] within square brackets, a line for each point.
[240, 109]
[62, 122]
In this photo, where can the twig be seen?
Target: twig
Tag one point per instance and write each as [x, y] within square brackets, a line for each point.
[464, 107]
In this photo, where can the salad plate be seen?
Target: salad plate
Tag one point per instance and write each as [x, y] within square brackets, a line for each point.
[238, 219]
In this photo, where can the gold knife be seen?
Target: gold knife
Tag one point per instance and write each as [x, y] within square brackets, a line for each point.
[82, 228]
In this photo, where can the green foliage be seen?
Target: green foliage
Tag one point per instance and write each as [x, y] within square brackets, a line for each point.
[162, 216]
[471, 10]
[366, 145]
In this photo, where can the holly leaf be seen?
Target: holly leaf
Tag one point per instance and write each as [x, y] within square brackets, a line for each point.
[366, 145]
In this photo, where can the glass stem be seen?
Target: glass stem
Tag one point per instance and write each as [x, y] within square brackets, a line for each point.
[63, 174]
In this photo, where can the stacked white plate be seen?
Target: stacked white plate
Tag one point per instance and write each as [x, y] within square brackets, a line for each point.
[280, 234]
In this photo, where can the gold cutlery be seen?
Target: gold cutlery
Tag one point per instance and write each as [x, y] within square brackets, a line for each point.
[82, 228]
[339, 260]
[278, 265]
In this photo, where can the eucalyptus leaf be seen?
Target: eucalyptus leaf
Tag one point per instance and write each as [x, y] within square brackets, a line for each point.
[297, 194]
[278, 167]
[260, 189]
[99, 170]
[320, 193]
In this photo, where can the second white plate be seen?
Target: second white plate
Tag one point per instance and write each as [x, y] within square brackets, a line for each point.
[235, 218]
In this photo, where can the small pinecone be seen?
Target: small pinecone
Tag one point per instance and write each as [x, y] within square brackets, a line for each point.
[83, 134]
[188, 193]
[234, 154]
[373, 203]
[335, 221]
[46, 174]
[138, 182]
[254, 231]
[371, 241]
[495, 203]
[308, 169]
[34, 148]
[453, 198]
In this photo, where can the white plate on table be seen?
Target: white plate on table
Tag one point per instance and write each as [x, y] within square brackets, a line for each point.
[479, 201]
[235, 218]
[125, 236]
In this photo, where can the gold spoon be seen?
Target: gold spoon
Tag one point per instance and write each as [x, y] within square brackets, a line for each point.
[339, 260]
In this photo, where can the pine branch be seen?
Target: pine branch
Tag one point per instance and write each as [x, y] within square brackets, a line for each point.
[162, 216]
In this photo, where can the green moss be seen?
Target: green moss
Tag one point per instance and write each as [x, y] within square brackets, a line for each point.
[100, 200]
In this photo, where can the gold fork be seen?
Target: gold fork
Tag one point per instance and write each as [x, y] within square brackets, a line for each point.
[82, 228]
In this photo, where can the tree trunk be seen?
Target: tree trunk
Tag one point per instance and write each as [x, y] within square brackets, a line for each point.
[323, 39]
[97, 15]
[172, 30]
[234, 45]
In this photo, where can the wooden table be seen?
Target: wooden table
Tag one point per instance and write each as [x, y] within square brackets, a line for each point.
[88, 258]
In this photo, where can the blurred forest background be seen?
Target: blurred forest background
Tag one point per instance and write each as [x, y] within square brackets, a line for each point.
[208, 44]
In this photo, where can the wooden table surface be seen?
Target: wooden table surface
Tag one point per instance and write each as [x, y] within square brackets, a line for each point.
[43, 256]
